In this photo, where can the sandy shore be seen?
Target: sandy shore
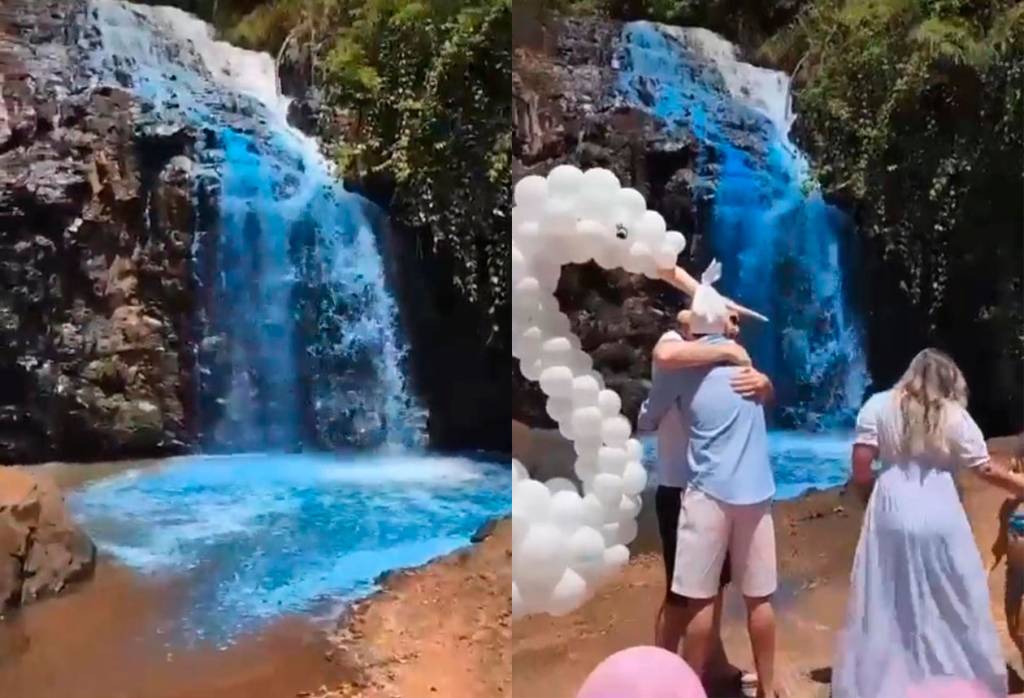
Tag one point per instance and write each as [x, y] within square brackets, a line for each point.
[817, 537]
[102, 640]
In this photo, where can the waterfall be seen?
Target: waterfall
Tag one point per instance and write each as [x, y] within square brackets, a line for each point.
[299, 346]
[780, 242]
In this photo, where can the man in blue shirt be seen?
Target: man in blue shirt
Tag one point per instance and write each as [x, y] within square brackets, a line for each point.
[726, 508]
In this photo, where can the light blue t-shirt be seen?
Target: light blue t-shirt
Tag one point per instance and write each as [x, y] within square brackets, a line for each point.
[727, 454]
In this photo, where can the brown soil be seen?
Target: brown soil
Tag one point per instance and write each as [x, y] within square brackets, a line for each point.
[441, 630]
[101, 641]
[817, 537]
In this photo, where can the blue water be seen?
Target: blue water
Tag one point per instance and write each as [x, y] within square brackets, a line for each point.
[801, 461]
[256, 537]
[781, 244]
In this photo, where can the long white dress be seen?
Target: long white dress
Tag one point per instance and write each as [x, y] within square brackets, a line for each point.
[919, 605]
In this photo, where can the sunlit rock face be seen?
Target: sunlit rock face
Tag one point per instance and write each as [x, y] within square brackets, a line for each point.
[180, 267]
[95, 241]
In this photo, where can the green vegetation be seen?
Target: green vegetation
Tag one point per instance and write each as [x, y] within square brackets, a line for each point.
[913, 111]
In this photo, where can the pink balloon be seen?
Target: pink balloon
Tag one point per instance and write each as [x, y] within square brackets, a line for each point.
[949, 688]
[642, 672]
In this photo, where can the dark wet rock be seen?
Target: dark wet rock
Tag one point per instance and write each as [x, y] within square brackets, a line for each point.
[42, 551]
[95, 238]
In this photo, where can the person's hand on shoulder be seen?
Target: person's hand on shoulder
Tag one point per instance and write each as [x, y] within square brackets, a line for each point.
[751, 384]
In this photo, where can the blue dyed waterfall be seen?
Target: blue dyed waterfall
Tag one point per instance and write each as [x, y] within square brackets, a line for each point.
[780, 242]
[297, 339]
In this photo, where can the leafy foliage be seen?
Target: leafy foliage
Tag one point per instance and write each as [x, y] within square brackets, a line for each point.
[914, 112]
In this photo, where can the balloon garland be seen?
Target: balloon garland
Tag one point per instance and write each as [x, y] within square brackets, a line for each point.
[564, 542]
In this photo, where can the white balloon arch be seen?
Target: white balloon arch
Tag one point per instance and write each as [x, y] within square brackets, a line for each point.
[565, 543]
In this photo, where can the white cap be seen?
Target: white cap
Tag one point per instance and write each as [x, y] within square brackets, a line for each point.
[710, 312]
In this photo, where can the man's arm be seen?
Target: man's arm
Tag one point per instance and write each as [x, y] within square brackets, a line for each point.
[670, 355]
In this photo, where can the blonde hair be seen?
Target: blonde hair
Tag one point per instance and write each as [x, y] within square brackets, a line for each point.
[931, 386]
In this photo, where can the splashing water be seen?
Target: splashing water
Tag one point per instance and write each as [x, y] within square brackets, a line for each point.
[779, 240]
[255, 537]
[299, 342]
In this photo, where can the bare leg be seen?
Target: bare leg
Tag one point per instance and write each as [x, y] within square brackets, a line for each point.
[761, 626]
[699, 634]
[718, 663]
[672, 621]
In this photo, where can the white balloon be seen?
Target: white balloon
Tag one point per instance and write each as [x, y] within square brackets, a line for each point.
[608, 489]
[632, 202]
[563, 543]
[627, 531]
[616, 431]
[610, 403]
[585, 392]
[567, 510]
[586, 422]
[581, 364]
[541, 558]
[556, 381]
[527, 345]
[635, 450]
[587, 443]
[566, 430]
[559, 409]
[601, 181]
[565, 181]
[531, 370]
[518, 472]
[556, 352]
[634, 478]
[586, 552]
[593, 511]
[629, 508]
[615, 558]
[611, 460]
[610, 533]
[531, 192]
[666, 258]
[568, 595]
[585, 467]
[520, 527]
[526, 294]
[675, 241]
[650, 227]
[531, 500]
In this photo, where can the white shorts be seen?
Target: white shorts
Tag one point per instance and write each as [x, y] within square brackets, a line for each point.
[708, 529]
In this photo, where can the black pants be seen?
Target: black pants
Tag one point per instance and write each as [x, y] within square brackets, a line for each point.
[668, 503]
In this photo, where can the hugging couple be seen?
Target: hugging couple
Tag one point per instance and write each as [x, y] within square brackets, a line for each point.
[919, 618]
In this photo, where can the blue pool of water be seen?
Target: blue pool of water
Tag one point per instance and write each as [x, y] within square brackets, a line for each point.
[259, 536]
[801, 461]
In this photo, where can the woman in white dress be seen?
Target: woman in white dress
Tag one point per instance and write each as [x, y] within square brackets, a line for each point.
[919, 606]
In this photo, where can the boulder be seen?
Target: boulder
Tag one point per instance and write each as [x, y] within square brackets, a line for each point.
[42, 551]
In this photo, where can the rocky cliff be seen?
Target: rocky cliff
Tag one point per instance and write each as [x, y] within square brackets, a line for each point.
[565, 112]
[95, 237]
